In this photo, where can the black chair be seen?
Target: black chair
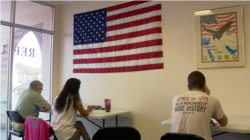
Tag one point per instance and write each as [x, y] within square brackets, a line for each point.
[53, 133]
[117, 133]
[15, 117]
[180, 136]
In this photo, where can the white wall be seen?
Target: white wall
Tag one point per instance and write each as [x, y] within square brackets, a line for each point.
[148, 94]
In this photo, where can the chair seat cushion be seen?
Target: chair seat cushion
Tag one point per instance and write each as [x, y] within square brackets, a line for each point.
[19, 134]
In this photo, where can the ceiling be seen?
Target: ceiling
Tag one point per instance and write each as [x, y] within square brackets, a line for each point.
[57, 2]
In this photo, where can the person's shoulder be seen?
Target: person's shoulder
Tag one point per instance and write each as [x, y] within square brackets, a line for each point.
[35, 94]
[180, 95]
[32, 91]
[26, 91]
[213, 99]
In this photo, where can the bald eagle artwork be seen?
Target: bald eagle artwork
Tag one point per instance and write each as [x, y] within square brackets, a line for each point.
[218, 34]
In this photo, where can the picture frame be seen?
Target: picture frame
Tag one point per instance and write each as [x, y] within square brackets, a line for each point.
[220, 37]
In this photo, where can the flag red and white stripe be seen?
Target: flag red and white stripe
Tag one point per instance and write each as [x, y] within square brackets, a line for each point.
[133, 41]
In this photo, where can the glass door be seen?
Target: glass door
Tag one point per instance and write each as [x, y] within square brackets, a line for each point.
[31, 61]
[25, 53]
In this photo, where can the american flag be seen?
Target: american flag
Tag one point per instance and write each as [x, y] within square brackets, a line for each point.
[215, 22]
[121, 38]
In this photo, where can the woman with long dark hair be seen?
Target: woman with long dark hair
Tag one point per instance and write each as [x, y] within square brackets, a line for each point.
[67, 103]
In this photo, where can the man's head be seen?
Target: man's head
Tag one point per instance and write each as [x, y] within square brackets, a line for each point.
[37, 86]
[196, 80]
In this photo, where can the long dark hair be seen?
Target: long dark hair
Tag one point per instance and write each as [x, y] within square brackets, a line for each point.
[71, 88]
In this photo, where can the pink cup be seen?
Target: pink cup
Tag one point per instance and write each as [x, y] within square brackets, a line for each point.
[107, 105]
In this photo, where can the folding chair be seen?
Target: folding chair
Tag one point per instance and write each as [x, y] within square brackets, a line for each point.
[15, 117]
[117, 133]
[180, 136]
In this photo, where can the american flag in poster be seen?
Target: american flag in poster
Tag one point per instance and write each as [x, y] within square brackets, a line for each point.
[216, 22]
[121, 38]
[219, 37]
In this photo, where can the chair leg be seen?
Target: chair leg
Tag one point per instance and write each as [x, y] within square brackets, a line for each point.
[9, 137]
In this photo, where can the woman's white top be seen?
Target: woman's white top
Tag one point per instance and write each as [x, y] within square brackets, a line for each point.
[63, 123]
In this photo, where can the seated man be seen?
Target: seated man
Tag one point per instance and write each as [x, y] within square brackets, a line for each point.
[29, 103]
[192, 111]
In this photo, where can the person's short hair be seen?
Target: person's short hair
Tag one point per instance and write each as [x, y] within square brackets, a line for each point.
[35, 84]
[196, 80]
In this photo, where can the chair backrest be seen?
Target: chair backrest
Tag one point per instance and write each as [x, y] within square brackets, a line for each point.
[117, 133]
[180, 136]
[37, 129]
[14, 116]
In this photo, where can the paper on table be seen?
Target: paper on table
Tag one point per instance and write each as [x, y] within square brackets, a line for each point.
[214, 120]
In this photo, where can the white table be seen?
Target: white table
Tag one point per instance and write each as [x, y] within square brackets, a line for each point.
[235, 125]
[99, 115]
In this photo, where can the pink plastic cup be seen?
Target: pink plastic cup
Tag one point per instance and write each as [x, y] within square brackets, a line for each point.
[107, 105]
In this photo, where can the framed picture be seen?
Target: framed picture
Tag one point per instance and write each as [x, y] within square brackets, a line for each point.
[220, 37]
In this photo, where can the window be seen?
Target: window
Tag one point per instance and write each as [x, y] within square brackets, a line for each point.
[33, 14]
[5, 10]
[25, 52]
[5, 33]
